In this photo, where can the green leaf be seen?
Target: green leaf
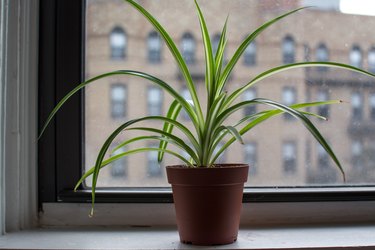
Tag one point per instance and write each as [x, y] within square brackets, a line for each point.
[177, 55]
[118, 156]
[282, 68]
[106, 145]
[235, 133]
[210, 65]
[256, 119]
[173, 112]
[233, 61]
[179, 142]
[219, 57]
[190, 111]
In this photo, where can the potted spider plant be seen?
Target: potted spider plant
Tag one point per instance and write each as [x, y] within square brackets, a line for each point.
[207, 195]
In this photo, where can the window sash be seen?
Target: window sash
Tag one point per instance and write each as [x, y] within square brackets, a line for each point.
[60, 151]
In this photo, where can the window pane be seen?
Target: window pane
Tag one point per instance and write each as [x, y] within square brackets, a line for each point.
[281, 152]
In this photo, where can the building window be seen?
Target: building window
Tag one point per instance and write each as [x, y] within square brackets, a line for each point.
[154, 101]
[154, 47]
[118, 43]
[306, 53]
[250, 54]
[289, 154]
[357, 150]
[371, 60]
[153, 166]
[357, 106]
[118, 101]
[322, 55]
[186, 95]
[119, 167]
[323, 157]
[289, 97]
[288, 48]
[248, 95]
[323, 96]
[251, 157]
[188, 48]
[372, 106]
[355, 56]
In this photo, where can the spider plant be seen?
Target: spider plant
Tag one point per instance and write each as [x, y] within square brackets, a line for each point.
[214, 124]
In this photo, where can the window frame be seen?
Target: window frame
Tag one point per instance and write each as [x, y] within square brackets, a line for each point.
[61, 54]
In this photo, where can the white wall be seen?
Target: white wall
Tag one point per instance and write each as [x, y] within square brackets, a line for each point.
[18, 113]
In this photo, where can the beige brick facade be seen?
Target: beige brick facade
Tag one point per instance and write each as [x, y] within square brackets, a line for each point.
[309, 28]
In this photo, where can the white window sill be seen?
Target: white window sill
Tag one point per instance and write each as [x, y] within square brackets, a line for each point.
[327, 237]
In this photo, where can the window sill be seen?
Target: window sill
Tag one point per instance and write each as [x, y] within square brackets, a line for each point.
[327, 237]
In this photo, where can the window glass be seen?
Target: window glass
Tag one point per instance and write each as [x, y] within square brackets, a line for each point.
[154, 47]
[250, 54]
[289, 154]
[357, 104]
[355, 56]
[371, 60]
[372, 106]
[285, 153]
[117, 41]
[155, 101]
[250, 157]
[288, 47]
[118, 101]
[288, 98]
[323, 96]
[249, 95]
[188, 48]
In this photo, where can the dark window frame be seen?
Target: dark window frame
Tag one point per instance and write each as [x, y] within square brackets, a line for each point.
[60, 149]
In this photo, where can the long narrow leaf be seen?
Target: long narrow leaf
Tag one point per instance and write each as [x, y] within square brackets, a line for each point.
[104, 148]
[282, 68]
[233, 61]
[151, 78]
[176, 54]
[173, 112]
[308, 124]
[118, 156]
[256, 119]
[210, 65]
[176, 139]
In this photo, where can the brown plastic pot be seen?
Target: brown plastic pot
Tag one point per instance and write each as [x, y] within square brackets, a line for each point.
[208, 202]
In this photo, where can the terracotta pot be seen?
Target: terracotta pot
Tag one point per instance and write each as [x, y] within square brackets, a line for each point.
[208, 202]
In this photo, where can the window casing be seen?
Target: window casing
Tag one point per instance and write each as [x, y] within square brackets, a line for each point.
[118, 43]
[60, 151]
